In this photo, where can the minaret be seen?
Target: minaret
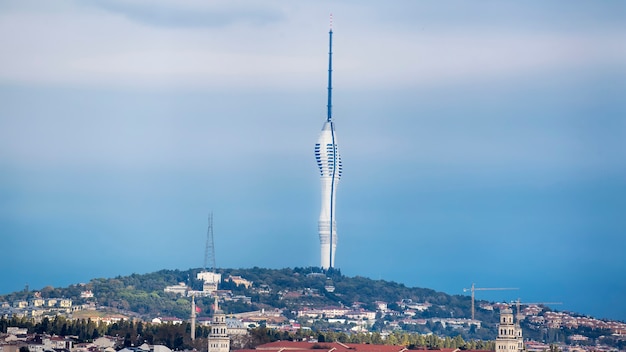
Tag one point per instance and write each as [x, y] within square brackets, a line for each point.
[509, 333]
[218, 338]
[329, 163]
[193, 318]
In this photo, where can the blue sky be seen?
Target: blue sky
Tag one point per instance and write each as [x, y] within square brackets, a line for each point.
[482, 141]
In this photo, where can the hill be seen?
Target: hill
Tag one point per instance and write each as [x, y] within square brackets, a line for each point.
[143, 295]
[296, 293]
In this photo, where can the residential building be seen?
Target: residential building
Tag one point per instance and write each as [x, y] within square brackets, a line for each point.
[180, 289]
[238, 280]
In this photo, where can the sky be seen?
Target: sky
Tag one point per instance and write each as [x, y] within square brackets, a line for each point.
[482, 141]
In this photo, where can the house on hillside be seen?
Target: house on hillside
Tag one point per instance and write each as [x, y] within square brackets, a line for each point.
[180, 289]
[238, 280]
[167, 320]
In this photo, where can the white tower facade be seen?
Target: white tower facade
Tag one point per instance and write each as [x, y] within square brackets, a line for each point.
[219, 341]
[509, 333]
[329, 164]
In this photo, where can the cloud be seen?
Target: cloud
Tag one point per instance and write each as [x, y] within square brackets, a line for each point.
[94, 48]
[192, 13]
[223, 44]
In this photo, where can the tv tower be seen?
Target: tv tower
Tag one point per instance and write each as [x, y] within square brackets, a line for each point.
[329, 163]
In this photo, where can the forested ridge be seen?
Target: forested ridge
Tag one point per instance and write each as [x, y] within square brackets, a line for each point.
[143, 294]
[142, 297]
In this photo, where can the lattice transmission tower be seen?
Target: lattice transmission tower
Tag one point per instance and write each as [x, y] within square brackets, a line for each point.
[209, 250]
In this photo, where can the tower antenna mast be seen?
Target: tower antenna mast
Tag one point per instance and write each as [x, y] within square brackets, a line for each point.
[330, 70]
[209, 249]
[330, 116]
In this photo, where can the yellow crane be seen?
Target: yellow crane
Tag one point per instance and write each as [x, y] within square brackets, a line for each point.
[473, 288]
[518, 303]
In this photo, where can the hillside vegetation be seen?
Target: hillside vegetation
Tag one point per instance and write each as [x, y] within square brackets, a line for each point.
[142, 295]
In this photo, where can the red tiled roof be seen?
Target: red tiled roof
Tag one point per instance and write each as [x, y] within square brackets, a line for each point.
[290, 345]
[375, 348]
[329, 346]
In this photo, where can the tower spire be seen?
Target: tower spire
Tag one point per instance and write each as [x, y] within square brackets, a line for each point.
[330, 69]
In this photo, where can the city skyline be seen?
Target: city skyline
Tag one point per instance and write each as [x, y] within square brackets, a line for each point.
[474, 134]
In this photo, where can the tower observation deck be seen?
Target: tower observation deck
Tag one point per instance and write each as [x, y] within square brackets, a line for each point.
[329, 163]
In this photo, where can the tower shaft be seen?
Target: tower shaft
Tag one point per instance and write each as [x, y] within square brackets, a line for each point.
[329, 163]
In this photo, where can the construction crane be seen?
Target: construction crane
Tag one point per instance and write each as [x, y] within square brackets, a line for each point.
[485, 289]
[518, 303]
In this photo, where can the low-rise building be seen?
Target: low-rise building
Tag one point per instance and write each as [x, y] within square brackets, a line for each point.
[12, 330]
[238, 280]
[180, 289]
[381, 306]
[65, 303]
[326, 312]
[208, 276]
[534, 346]
[235, 326]
[20, 304]
[578, 338]
[167, 320]
[37, 302]
[242, 299]
[361, 315]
